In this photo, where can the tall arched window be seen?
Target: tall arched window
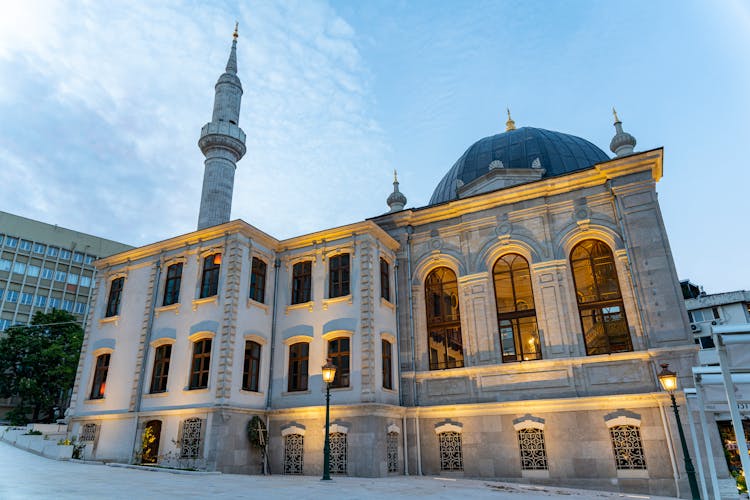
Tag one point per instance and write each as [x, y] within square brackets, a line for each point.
[443, 320]
[516, 315]
[605, 327]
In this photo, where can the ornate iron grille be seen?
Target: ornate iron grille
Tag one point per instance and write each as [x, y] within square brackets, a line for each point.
[533, 451]
[338, 452]
[391, 447]
[628, 448]
[190, 444]
[293, 456]
[451, 456]
[88, 432]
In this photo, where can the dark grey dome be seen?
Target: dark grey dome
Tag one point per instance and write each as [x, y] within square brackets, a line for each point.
[557, 153]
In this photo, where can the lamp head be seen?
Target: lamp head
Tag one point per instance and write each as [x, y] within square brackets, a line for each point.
[667, 379]
[329, 371]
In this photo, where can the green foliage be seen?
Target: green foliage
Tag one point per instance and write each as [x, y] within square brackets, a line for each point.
[33, 432]
[741, 481]
[148, 455]
[38, 364]
[256, 432]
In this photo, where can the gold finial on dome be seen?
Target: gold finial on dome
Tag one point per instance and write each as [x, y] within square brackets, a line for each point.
[510, 124]
[235, 35]
[614, 112]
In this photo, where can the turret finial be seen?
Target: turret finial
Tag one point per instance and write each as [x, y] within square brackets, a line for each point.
[614, 112]
[236, 34]
[510, 124]
[395, 175]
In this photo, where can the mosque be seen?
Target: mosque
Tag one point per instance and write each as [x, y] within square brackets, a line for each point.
[511, 329]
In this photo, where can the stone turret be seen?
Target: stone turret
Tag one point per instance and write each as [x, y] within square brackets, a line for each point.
[222, 142]
[396, 200]
[622, 143]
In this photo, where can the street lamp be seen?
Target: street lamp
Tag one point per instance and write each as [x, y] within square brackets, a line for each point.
[329, 372]
[668, 381]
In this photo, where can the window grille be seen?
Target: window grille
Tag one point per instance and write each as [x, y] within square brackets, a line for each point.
[190, 444]
[88, 432]
[293, 453]
[451, 456]
[391, 447]
[533, 450]
[338, 452]
[627, 446]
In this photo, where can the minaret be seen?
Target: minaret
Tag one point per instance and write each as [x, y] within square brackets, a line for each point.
[222, 142]
[396, 200]
[622, 143]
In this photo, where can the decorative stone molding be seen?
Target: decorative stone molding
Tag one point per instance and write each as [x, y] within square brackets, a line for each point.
[295, 307]
[622, 417]
[448, 427]
[528, 422]
[393, 428]
[335, 300]
[172, 307]
[337, 428]
[206, 300]
[293, 429]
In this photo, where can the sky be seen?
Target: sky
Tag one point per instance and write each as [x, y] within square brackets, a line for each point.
[101, 105]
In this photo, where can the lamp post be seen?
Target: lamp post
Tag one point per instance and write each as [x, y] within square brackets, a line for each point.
[668, 381]
[329, 372]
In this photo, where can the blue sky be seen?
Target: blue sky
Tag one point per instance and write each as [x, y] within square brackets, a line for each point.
[102, 104]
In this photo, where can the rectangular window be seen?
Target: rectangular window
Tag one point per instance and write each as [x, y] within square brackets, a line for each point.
[85, 281]
[47, 273]
[54, 303]
[301, 282]
[387, 364]
[41, 301]
[19, 268]
[201, 364]
[385, 280]
[210, 280]
[61, 276]
[65, 254]
[258, 280]
[12, 296]
[628, 447]
[25, 245]
[4, 323]
[39, 248]
[5, 265]
[532, 448]
[67, 305]
[89, 259]
[52, 251]
[115, 293]
[251, 367]
[100, 376]
[80, 308]
[27, 298]
[338, 351]
[73, 279]
[338, 267]
[172, 285]
[159, 375]
[11, 242]
[299, 356]
[32, 271]
[77, 257]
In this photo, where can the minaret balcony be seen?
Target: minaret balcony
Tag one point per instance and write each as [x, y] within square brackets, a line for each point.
[223, 135]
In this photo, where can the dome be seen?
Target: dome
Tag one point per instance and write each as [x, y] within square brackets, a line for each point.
[522, 148]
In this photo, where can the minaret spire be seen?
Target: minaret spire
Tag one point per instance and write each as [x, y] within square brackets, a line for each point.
[222, 142]
[622, 143]
[396, 200]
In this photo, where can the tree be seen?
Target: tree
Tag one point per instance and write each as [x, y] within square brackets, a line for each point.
[38, 364]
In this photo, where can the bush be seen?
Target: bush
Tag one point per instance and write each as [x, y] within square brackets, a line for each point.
[33, 432]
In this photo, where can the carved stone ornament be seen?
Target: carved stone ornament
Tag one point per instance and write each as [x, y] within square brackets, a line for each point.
[436, 243]
[495, 164]
[537, 163]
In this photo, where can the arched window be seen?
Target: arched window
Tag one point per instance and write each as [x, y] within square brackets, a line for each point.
[443, 320]
[516, 315]
[605, 327]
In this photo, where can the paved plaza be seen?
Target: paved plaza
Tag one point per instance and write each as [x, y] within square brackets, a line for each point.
[24, 475]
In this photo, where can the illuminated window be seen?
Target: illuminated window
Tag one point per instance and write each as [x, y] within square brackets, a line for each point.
[172, 285]
[299, 356]
[210, 279]
[516, 315]
[385, 280]
[338, 267]
[533, 450]
[627, 446]
[387, 364]
[251, 366]
[258, 280]
[605, 327]
[162, 356]
[115, 293]
[100, 376]
[201, 364]
[338, 351]
[451, 455]
[301, 282]
[443, 320]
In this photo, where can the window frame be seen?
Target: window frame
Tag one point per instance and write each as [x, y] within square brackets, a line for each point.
[339, 275]
[258, 274]
[295, 373]
[101, 364]
[342, 378]
[386, 360]
[210, 275]
[250, 370]
[301, 289]
[385, 280]
[160, 380]
[172, 284]
[443, 327]
[200, 364]
[114, 298]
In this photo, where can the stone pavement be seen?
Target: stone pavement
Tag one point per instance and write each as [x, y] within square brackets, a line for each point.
[24, 475]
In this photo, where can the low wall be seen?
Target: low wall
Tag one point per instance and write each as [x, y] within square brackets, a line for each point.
[44, 444]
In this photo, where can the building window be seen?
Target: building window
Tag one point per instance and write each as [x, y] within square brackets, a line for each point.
[391, 451]
[386, 353]
[54, 302]
[89, 259]
[210, 280]
[201, 364]
[516, 315]
[443, 320]
[33, 271]
[451, 456]
[337, 441]
[258, 280]
[72, 279]
[85, 280]
[162, 356]
[77, 257]
[301, 282]
[251, 367]
[80, 308]
[47, 273]
[100, 376]
[293, 453]
[88, 433]
[172, 285]
[65, 254]
[627, 446]
[338, 268]
[115, 293]
[25, 245]
[533, 451]
[5, 265]
[605, 327]
[702, 315]
[39, 248]
[385, 280]
[52, 251]
[11, 242]
[298, 360]
[27, 298]
[61, 276]
[190, 444]
[41, 300]
[20, 268]
[12, 296]
[338, 351]
[150, 442]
